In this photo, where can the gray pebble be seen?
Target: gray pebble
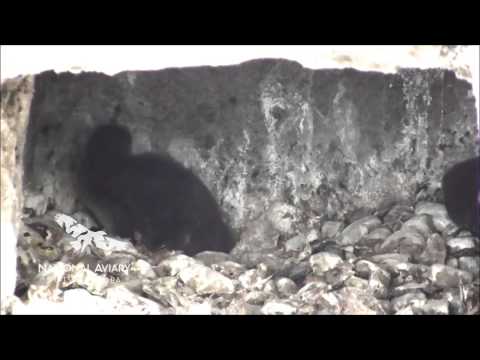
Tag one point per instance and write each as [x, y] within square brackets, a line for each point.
[431, 208]
[256, 297]
[470, 264]
[379, 283]
[330, 229]
[435, 307]
[286, 287]
[296, 243]
[212, 257]
[435, 251]
[420, 223]
[358, 229]
[414, 299]
[445, 277]
[461, 246]
[408, 288]
[407, 241]
[324, 261]
[453, 262]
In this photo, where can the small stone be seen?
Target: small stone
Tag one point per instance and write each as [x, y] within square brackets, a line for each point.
[403, 276]
[445, 277]
[307, 310]
[305, 253]
[252, 280]
[398, 214]
[206, 281]
[379, 283]
[286, 287]
[324, 261]
[230, 269]
[90, 304]
[144, 269]
[331, 229]
[329, 246]
[256, 297]
[390, 257]
[454, 300]
[414, 299]
[385, 304]
[349, 253]
[170, 282]
[364, 251]
[353, 301]
[126, 302]
[312, 236]
[357, 282]
[209, 258]
[358, 229]
[464, 233]
[371, 221]
[461, 246]
[297, 243]
[71, 298]
[336, 277]
[274, 263]
[422, 224]
[374, 237]
[435, 251]
[79, 276]
[198, 309]
[420, 272]
[311, 292]
[408, 288]
[263, 270]
[453, 262]
[407, 241]
[392, 262]
[278, 308]
[329, 302]
[357, 214]
[470, 264]
[471, 296]
[47, 283]
[435, 307]
[38, 202]
[405, 311]
[176, 263]
[431, 208]
[444, 225]
[365, 268]
[300, 271]
[220, 303]
[241, 307]
[164, 291]
[270, 288]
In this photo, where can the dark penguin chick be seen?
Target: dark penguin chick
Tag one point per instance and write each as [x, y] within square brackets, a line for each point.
[150, 196]
[461, 184]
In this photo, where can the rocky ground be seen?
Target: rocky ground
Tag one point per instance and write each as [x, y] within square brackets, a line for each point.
[401, 260]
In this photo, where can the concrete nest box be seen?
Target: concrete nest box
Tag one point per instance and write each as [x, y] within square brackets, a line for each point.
[279, 147]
